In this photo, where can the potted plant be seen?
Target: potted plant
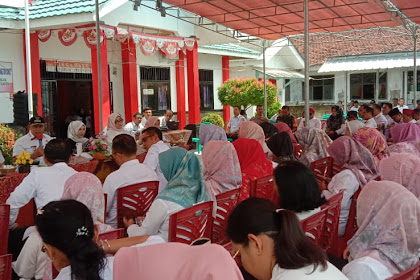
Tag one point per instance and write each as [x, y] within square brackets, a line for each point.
[98, 147]
[24, 161]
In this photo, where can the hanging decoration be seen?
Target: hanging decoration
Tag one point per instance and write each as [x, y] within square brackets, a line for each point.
[44, 35]
[67, 36]
[90, 37]
[170, 49]
[148, 47]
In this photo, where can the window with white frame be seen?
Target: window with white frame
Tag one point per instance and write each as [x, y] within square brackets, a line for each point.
[410, 80]
[205, 78]
[155, 88]
[363, 86]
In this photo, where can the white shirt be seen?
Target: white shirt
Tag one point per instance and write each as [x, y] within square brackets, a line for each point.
[1, 158]
[330, 273]
[163, 121]
[105, 274]
[143, 121]
[314, 122]
[25, 143]
[129, 173]
[157, 219]
[44, 184]
[412, 121]
[133, 128]
[152, 160]
[356, 109]
[418, 122]
[390, 122]
[274, 118]
[366, 268]
[380, 119]
[305, 214]
[401, 108]
[370, 123]
[345, 180]
[235, 122]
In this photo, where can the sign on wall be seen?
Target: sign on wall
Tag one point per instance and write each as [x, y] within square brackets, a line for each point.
[68, 66]
[6, 77]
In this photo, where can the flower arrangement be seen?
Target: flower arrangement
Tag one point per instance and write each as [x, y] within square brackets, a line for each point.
[7, 141]
[98, 145]
[24, 158]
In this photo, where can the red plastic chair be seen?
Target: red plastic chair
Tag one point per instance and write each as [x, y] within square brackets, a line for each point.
[4, 227]
[105, 205]
[298, 150]
[6, 267]
[192, 223]
[113, 234]
[263, 187]
[141, 157]
[409, 274]
[313, 226]
[332, 220]
[226, 202]
[135, 200]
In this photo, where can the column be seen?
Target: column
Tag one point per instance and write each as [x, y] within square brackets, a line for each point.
[129, 67]
[225, 75]
[180, 90]
[193, 86]
[106, 109]
[36, 70]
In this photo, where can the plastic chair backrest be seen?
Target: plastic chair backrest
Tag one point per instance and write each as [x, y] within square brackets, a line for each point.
[313, 226]
[333, 206]
[298, 150]
[263, 187]
[4, 227]
[226, 202]
[191, 223]
[113, 234]
[412, 273]
[323, 167]
[135, 200]
[351, 226]
[6, 267]
[105, 205]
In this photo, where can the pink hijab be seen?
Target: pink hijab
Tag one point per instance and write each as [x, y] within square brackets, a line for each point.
[284, 127]
[410, 147]
[251, 130]
[403, 169]
[173, 261]
[152, 122]
[111, 124]
[222, 171]
[374, 141]
[405, 132]
[352, 155]
[315, 143]
[388, 228]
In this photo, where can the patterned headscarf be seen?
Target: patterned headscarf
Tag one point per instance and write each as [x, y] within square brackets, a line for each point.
[251, 130]
[334, 123]
[315, 143]
[254, 163]
[209, 132]
[73, 130]
[352, 155]
[403, 169]
[152, 122]
[185, 178]
[410, 147]
[111, 124]
[222, 171]
[405, 132]
[374, 141]
[388, 216]
[354, 126]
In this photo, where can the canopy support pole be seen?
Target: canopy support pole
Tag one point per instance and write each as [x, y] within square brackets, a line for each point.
[415, 66]
[306, 89]
[377, 86]
[265, 82]
[28, 62]
[98, 53]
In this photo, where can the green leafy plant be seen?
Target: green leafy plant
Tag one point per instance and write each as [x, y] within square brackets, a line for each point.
[7, 141]
[273, 109]
[213, 118]
[246, 93]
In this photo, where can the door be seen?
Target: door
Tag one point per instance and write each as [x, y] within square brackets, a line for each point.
[49, 106]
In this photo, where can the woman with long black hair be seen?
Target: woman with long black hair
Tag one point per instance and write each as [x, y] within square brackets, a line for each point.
[335, 123]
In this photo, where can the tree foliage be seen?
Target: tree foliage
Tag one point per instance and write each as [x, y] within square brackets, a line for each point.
[214, 119]
[246, 92]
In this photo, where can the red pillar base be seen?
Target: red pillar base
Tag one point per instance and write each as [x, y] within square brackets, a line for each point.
[180, 90]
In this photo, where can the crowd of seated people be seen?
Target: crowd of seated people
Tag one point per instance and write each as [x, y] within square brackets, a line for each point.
[380, 163]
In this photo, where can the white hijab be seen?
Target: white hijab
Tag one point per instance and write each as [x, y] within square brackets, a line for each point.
[354, 126]
[73, 130]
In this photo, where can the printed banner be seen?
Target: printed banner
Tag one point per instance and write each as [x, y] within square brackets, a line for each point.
[6, 77]
[68, 66]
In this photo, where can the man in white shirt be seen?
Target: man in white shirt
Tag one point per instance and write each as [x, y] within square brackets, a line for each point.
[167, 117]
[401, 105]
[33, 142]
[367, 116]
[131, 172]
[43, 184]
[135, 127]
[235, 122]
[274, 117]
[313, 121]
[386, 108]
[147, 113]
[396, 116]
[355, 106]
[394, 103]
[408, 116]
[152, 142]
[380, 119]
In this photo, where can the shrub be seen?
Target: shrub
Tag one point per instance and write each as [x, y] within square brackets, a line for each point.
[213, 118]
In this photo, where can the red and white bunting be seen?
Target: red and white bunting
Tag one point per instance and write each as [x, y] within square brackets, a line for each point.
[90, 37]
[67, 36]
[148, 47]
[44, 35]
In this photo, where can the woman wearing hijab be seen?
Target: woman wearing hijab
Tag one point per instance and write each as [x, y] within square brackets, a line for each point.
[406, 139]
[359, 167]
[315, 143]
[403, 169]
[83, 187]
[76, 134]
[388, 240]
[335, 123]
[222, 171]
[269, 129]
[284, 127]
[153, 121]
[251, 130]
[184, 189]
[374, 141]
[281, 146]
[209, 132]
[353, 126]
[174, 261]
[115, 127]
[254, 163]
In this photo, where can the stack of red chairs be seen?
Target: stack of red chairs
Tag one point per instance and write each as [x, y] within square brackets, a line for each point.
[330, 235]
[314, 225]
[5, 259]
[226, 202]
